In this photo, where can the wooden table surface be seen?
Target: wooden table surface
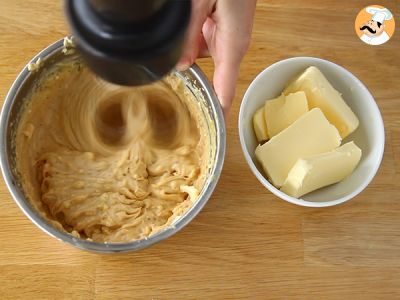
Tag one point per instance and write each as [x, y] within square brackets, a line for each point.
[246, 243]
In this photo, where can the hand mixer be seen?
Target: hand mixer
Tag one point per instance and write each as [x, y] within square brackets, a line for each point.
[129, 42]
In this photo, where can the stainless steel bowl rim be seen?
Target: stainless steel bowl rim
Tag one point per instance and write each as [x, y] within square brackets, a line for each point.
[30, 212]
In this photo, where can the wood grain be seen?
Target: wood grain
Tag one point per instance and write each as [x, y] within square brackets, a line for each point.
[246, 243]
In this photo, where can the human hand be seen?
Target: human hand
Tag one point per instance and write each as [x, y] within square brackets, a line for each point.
[222, 29]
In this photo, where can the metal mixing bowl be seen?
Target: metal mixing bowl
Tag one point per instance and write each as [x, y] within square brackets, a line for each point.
[195, 80]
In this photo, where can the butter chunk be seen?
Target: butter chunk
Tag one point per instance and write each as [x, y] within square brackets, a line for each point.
[310, 134]
[260, 126]
[283, 111]
[317, 171]
[320, 93]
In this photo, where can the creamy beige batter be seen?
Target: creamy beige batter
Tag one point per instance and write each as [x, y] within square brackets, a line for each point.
[110, 163]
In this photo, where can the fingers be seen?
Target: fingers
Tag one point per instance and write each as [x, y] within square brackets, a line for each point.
[228, 41]
[226, 63]
[225, 77]
[203, 48]
[226, 25]
[193, 34]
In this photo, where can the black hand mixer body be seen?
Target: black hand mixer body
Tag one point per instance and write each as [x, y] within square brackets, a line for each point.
[129, 42]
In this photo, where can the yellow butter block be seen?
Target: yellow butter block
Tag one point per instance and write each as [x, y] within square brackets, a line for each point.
[317, 171]
[260, 126]
[310, 134]
[320, 93]
[283, 111]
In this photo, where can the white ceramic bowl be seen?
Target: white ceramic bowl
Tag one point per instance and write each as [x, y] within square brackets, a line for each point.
[369, 136]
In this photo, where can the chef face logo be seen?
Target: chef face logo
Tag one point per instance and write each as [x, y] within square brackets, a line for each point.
[375, 25]
[373, 28]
